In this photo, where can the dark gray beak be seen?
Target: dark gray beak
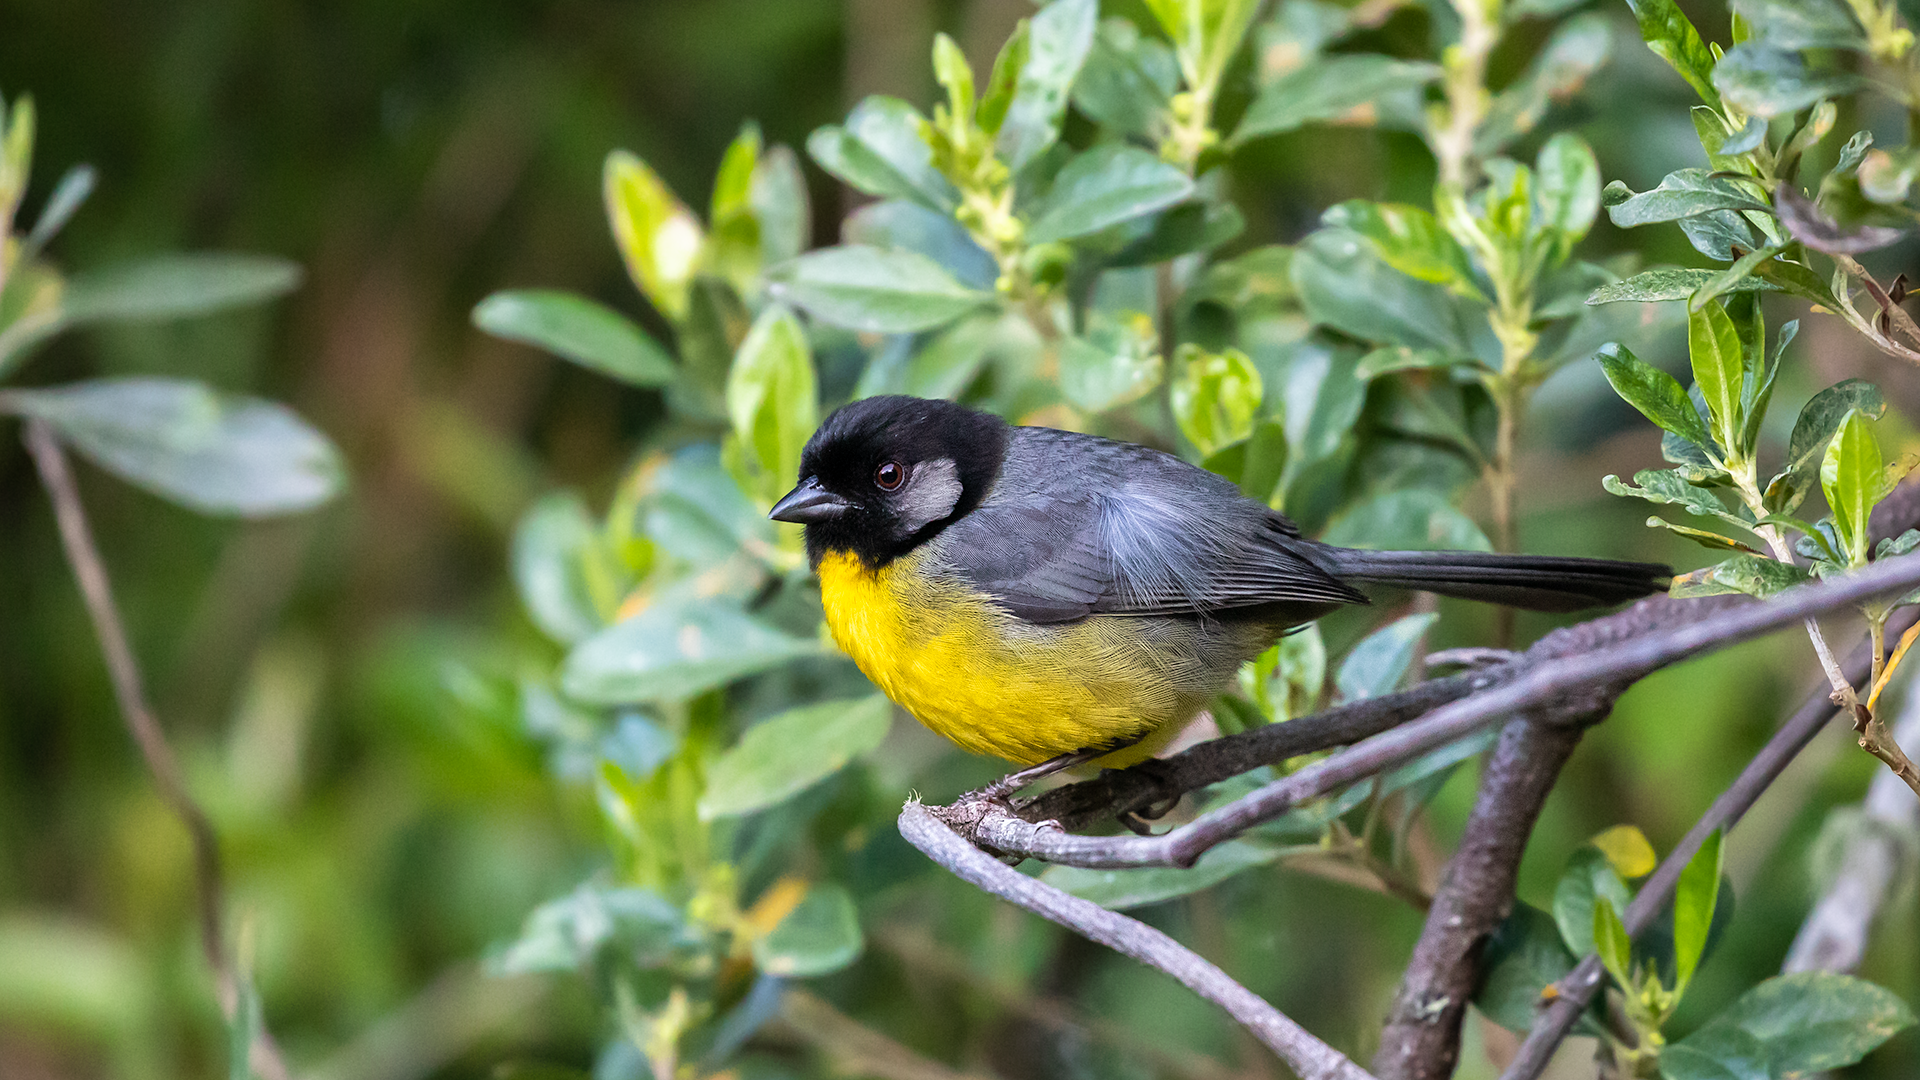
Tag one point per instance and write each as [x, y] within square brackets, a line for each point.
[809, 504]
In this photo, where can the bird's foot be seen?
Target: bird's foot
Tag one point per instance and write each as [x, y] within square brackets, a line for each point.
[965, 813]
[1469, 658]
[1162, 776]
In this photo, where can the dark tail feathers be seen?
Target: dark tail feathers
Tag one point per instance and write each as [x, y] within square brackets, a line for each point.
[1534, 582]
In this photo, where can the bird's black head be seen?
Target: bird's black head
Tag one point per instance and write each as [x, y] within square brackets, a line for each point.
[885, 474]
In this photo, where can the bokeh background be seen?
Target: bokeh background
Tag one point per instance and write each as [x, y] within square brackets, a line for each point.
[415, 155]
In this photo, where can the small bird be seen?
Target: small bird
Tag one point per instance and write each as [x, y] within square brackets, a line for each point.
[1032, 593]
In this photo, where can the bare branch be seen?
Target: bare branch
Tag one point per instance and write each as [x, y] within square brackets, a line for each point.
[1573, 992]
[124, 671]
[1305, 1054]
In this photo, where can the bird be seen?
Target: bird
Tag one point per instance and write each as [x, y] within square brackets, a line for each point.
[1048, 596]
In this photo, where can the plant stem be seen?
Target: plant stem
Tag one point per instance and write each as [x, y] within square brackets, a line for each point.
[1465, 85]
[124, 671]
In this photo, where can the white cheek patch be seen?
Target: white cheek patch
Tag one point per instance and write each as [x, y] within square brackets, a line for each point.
[930, 495]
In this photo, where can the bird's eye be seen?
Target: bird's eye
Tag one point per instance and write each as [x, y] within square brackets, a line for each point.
[889, 475]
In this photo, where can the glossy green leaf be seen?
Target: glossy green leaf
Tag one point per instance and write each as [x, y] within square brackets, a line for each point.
[819, 936]
[1333, 89]
[1716, 1053]
[1342, 284]
[1669, 284]
[863, 288]
[1105, 186]
[1694, 900]
[1610, 940]
[1671, 487]
[1752, 575]
[1703, 537]
[1410, 519]
[1589, 876]
[187, 444]
[879, 151]
[1181, 230]
[1730, 280]
[1718, 358]
[1683, 193]
[1655, 393]
[1214, 396]
[783, 755]
[1851, 475]
[1566, 191]
[1802, 24]
[659, 238]
[1667, 31]
[676, 648]
[1521, 959]
[550, 547]
[1119, 890]
[1811, 1022]
[1408, 239]
[589, 334]
[908, 226]
[772, 398]
[1761, 80]
[1058, 39]
[1379, 663]
[1814, 428]
[1128, 80]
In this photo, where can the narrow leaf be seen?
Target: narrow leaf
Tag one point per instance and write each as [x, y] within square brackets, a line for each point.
[863, 288]
[589, 334]
[1655, 393]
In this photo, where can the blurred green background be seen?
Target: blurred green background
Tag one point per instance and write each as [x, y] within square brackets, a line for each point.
[317, 674]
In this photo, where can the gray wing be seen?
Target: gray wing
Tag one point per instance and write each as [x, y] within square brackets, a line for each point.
[1078, 525]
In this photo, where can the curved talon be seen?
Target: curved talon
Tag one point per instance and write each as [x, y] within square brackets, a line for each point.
[1133, 822]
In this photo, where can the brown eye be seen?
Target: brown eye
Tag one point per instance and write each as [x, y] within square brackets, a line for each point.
[889, 475]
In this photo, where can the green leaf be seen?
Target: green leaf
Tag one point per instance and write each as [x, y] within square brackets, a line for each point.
[1610, 940]
[1287, 679]
[1336, 89]
[75, 185]
[778, 194]
[1716, 1052]
[879, 151]
[589, 334]
[1730, 279]
[174, 286]
[1058, 40]
[1802, 24]
[1116, 362]
[1722, 235]
[1753, 575]
[1107, 185]
[247, 1024]
[1344, 285]
[187, 444]
[1408, 239]
[1566, 191]
[1655, 393]
[1818, 420]
[1214, 396]
[1669, 284]
[564, 934]
[1718, 359]
[1521, 959]
[1128, 80]
[1578, 48]
[1004, 79]
[863, 288]
[1410, 519]
[819, 936]
[783, 755]
[658, 237]
[1683, 193]
[1377, 665]
[1811, 1022]
[1761, 80]
[1392, 358]
[1886, 177]
[772, 398]
[1182, 230]
[1589, 877]
[908, 226]
[1119, 890]
[1667, 31]
[1851, 474]
[551, 545]
[1702, 537]
[677, 648]
[1693, 902]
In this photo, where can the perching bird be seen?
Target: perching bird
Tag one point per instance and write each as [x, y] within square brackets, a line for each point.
[1031, 593]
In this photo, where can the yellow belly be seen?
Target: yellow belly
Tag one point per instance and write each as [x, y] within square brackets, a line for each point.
[996, 685]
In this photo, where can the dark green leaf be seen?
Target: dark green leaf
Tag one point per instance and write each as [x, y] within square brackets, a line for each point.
[1610, 940]
[879, 151]
[1128, 80]
[1684, 193]
[1523, 957]
[870, 289]
[1670, 487]
[1723, 235]
[783, 755]
[1343, 285]
[1411, 519]
[1693, 903]
[1655, 393]
[185, 443]
[1814, 1021]
[1118, 890]
[1761, 80]
[1753, 575]
[1716, 1052]
[819, 936]
[1802, 24]
[1110, 184]
[1666, 30]
[1733, 277]
[1182, 230]
[1669, 284]
[589, 334]
[1338, 89]
[676, 648]
[1377, 665]
[1058, 40]
[1589, 876]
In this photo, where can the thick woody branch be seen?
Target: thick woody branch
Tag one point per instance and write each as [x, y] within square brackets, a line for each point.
[1306, 1055]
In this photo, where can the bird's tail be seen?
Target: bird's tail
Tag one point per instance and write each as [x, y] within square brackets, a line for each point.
[1533, 582]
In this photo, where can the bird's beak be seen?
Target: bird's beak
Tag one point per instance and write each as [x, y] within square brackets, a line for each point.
[809, 504]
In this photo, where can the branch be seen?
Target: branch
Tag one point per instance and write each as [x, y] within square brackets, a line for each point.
[1572, 993]
[1569, 675]
[124, 671]
[1306, 1055]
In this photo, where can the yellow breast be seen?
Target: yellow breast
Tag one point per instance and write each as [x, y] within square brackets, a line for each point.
[997, 685]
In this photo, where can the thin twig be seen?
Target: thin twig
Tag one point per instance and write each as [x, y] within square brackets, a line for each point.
[124, 671]
[1572, 993]
[1305, 1054]
[1558, 685]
